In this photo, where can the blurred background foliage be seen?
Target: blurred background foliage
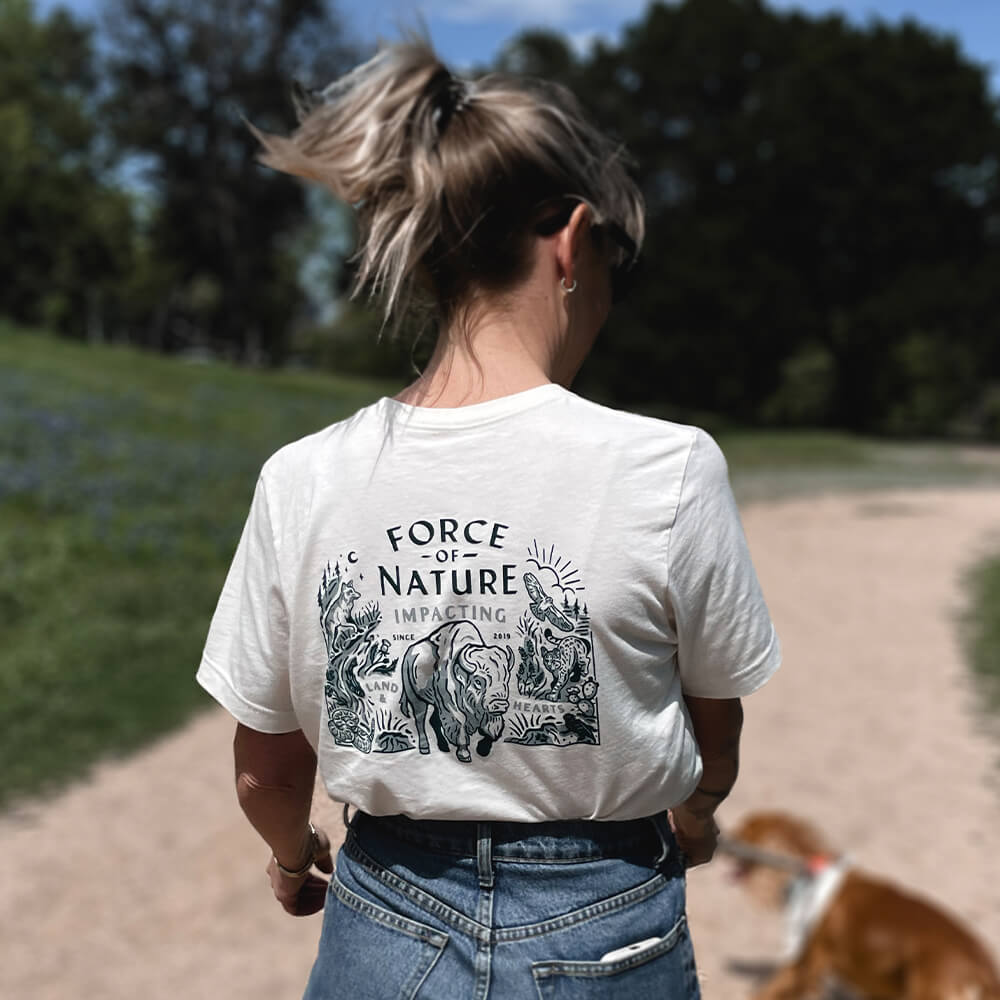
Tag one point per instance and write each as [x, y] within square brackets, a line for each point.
[824, 215]
[824, 232]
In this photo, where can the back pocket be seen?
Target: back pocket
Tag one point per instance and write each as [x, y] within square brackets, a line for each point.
[367, 952]
[664, 971]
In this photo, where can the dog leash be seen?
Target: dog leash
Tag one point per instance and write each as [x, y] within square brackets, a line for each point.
[747, 852]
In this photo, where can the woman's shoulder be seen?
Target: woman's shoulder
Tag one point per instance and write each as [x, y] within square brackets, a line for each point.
[631, 425]
[304, 453]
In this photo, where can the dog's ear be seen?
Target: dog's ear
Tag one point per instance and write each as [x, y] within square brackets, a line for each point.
[781, 832]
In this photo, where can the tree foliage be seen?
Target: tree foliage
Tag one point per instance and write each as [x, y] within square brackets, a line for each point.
[67, 232]
[823, 224]
[184, 74]
[823, 216]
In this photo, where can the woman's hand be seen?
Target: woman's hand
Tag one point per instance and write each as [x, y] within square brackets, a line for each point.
[306, 894]
[697, 836]
[717, 724]
[275, 777]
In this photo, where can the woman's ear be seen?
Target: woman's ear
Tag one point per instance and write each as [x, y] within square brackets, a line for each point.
[571, 240]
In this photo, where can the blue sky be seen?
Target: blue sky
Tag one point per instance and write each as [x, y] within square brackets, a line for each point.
[471, 31]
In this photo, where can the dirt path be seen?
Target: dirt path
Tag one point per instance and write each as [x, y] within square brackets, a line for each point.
[147, 882]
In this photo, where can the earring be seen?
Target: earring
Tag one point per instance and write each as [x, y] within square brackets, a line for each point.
[567, 291]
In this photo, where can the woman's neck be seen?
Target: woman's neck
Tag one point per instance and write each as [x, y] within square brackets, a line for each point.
[498, 351]
[497, 357]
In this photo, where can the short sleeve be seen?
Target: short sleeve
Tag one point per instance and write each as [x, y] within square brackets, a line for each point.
[726, 643]
[245, 662]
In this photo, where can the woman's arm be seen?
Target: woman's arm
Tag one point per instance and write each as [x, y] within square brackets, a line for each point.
[274, 785]
[717, 725]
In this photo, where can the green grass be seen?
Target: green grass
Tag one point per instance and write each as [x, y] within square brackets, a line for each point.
[124, 481]
[982, 629]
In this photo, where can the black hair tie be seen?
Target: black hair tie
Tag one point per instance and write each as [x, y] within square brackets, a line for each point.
[449, 94]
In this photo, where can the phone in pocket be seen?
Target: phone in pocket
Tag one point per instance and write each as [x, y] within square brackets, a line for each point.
[630, 949]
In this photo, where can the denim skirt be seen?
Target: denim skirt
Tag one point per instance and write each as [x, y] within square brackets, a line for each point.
[446, 910]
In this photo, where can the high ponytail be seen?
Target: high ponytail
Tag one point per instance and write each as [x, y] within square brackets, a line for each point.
[445, 173]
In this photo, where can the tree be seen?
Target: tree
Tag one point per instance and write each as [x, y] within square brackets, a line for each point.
[184, 74]
[823, 216]
[67, 231]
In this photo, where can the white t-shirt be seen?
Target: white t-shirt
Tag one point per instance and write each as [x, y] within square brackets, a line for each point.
[491, 612]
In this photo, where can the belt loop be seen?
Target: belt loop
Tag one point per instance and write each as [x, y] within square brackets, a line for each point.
[347, 820]
[484, 854]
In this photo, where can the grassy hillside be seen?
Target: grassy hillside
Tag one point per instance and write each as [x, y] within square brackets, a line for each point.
[124, 482]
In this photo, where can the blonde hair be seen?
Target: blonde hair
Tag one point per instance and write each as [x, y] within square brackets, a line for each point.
[447, 175]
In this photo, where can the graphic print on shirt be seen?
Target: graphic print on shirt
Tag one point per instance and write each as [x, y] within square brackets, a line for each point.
[354, 651]
[555, 659]
[463, 679]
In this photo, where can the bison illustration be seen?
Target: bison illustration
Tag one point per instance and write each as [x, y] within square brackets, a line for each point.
[465, 681]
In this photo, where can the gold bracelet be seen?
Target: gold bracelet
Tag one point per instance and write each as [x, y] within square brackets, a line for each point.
[307, 867]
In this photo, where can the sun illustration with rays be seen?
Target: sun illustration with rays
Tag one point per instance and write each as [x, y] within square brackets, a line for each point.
[554, 572]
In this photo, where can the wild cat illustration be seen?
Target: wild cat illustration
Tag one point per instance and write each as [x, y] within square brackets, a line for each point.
[565, 658]
[552, 667]
[464, 681]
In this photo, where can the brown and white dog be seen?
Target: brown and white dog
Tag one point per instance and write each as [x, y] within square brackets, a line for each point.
[845, 925]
